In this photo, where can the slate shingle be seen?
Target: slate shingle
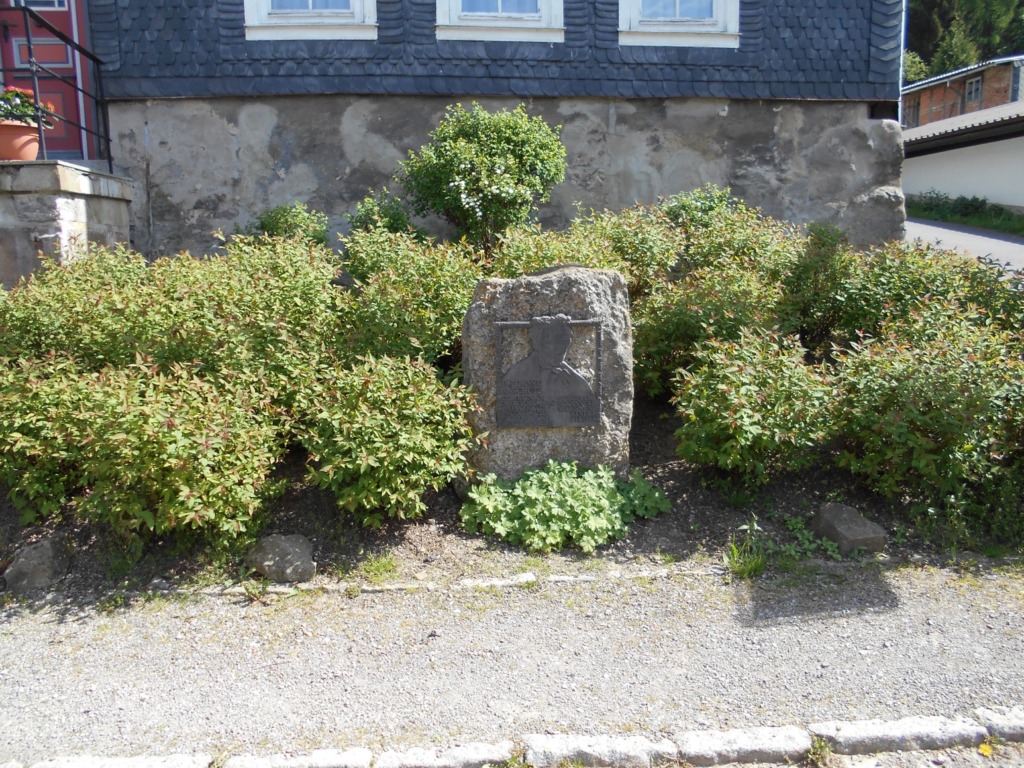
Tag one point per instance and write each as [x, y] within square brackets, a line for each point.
[798, 49]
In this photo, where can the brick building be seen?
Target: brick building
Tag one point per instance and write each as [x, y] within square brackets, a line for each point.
[970, 89]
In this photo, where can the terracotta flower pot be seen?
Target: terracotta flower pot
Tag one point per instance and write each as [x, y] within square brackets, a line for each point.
[18, 141]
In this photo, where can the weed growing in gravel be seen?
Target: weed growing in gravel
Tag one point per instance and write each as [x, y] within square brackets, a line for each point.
[255, 589]
[820, 753]
[804, 543]
[113, 602]
[746, 555]
[379, 568]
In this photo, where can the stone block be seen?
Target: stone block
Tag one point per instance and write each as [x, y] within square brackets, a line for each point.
[321, 758]
[1006, 723]
[865, 737]
[550, 358]
[747, 745]
[284, 559]
[848, 528]
[543, 751]
[88, 761]
[38, 566]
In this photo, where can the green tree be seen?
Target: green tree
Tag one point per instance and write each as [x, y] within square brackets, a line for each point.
[484, 172]
[1013, 39]
[989, 24]
[956, 49]
[914, 68]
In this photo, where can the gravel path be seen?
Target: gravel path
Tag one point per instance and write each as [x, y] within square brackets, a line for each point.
[618, 651]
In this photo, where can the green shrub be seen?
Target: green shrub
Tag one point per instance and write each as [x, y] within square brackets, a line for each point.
[174, 453]
[383, 432]
[91, 309]
[640, 242]
[643, 238]
[752, 407]
[410, 298]
[721, 230]
[814, 294]
[137, 450]
[253, 303]
[671, 322]
[700, 207]
[525, 249]
[40, 438]
[931, 411]
[382, 210]
[294, 221]
[891, 282]
[484, 172]
[560, 505]
[976, 211]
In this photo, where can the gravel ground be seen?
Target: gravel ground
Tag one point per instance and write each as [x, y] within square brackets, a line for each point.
[391, 646]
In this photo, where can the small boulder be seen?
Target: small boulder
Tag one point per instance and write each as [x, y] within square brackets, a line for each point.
[848, 528]
[283, 558]
[38, 566]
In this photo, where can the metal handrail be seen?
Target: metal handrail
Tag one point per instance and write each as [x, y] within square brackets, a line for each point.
[40, 72]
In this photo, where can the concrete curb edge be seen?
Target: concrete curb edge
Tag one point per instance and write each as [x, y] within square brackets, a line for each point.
[697, 748]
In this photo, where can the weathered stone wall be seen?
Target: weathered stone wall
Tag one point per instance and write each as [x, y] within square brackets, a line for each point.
[57, 208]
[204, 165]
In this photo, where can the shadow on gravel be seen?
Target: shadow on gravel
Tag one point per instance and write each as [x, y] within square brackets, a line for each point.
[818, 590]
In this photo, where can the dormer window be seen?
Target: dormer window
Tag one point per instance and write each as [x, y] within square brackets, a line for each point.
[699, 23]
[516, 20]
[310, 20]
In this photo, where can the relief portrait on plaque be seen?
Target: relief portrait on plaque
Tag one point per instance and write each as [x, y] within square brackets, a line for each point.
[542, 389]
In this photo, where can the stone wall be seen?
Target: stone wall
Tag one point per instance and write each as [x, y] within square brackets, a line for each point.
[204, 165]
[57, 208]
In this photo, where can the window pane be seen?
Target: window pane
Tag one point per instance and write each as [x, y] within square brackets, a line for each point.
[519, 6]
[658, 9]
[479, 6]
[696, 9]
[330, 5]
[289, 5]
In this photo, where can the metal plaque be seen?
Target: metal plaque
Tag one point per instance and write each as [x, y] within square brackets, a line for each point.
[542, 388]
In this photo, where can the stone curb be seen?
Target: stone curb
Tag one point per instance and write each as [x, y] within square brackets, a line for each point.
[169, 761]
[1006, 723]
[321, 758]
[698, 748]
[749, 745]
[543, 751]
[869, 736]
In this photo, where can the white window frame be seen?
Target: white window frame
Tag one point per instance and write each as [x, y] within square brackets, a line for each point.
[545, 26]
[45, 5]
[360, 23]
[720, 31]
[972, 90]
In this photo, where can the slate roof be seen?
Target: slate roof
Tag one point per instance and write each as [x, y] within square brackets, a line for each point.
[799, 49]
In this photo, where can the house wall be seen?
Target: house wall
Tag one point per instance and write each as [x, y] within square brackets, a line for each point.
[946, 99]
[206, 164]
[968, 171]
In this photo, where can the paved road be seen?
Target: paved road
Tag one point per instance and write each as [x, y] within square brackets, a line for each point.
[1007, 249]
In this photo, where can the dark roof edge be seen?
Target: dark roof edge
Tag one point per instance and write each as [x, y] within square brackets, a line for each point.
[968, 137]
[1017, 58]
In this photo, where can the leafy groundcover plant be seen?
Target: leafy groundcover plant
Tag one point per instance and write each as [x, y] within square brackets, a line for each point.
[560, 505]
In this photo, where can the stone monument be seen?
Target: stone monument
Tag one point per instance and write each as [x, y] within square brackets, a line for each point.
[550, 358]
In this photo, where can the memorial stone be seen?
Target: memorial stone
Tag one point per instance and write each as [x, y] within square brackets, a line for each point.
[550, 358]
